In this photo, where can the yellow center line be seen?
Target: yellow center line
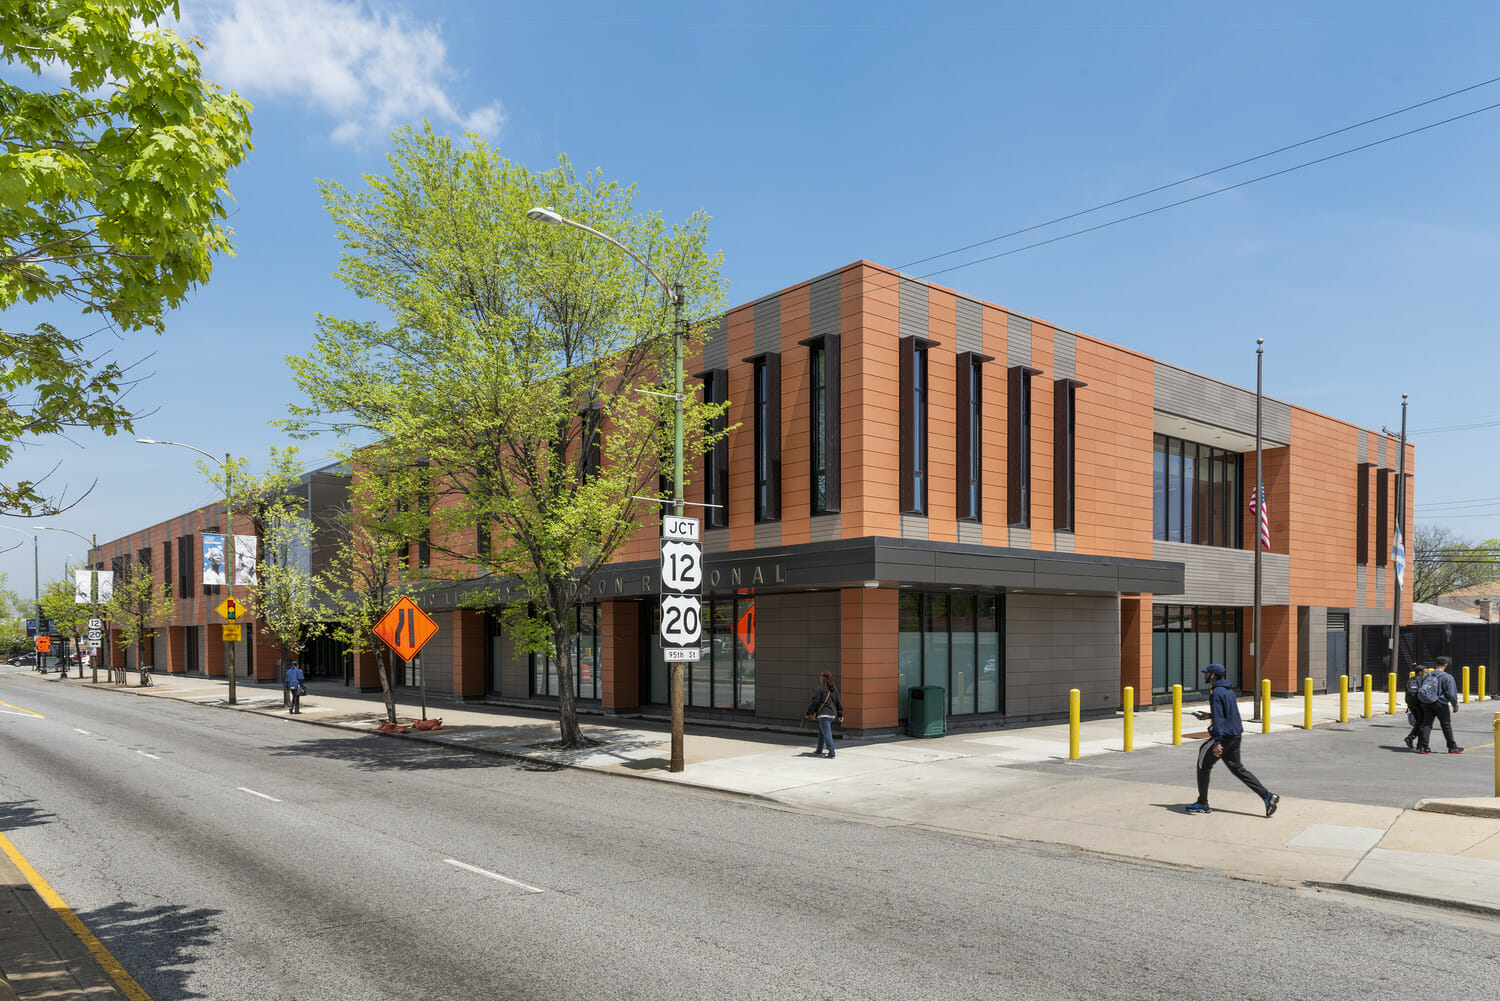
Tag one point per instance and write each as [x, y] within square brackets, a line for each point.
[26, 711]
[123, 980]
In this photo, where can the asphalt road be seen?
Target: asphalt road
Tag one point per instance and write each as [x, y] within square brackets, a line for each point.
[226, 855]
[1361, 761]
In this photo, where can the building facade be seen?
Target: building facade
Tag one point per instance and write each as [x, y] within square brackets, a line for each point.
[924, 489]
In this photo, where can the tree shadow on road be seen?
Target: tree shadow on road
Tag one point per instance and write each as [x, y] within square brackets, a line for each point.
[172, 936]
[20, 813]
[381, 753]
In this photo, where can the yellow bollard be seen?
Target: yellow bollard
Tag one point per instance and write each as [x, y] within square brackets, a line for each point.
[1482, 689]
[1265, 705]
[1129, 701]
[1369, 696]
[1344, 698]
[1307, 703]
[1073, 701]
[1176, 715]
[1390, 684]
[1466, 684]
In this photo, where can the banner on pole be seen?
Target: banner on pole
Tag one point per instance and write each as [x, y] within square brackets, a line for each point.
[106, 586]
[83, 587]
[244, 559]
[213, 558]
[1398, 557]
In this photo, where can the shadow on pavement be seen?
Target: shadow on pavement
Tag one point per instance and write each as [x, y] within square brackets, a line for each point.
[19, 814]
[380, 753]
[171, 935]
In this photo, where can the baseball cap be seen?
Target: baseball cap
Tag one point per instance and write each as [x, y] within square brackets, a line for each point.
[1215, 671]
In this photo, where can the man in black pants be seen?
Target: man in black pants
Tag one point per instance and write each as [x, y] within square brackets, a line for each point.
[1224, 733]
[1436, 693]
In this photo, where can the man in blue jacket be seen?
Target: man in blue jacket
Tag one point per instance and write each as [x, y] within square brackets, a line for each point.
[1224, 733]
[1436, 692]
[294, 679]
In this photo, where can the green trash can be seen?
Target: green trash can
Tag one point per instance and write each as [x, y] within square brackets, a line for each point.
[925, 711]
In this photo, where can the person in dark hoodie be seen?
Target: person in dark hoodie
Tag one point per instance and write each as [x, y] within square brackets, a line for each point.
[1224, 733]
[825, 705]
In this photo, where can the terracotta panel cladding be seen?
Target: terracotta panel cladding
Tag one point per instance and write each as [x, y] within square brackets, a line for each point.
[942, 421]
[796, 416]
[1042, 432]
[1113, 506]
[740, 337]
[872, 326]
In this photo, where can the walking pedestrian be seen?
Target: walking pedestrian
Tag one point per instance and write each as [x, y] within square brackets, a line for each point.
[1414, 704]
[826, 707]
[1436, 693]
[294, 679]
[1224, 733]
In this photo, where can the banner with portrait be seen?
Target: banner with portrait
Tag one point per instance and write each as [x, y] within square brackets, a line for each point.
[106, 586]
[83, 587]
[213, 559]
[244, 559]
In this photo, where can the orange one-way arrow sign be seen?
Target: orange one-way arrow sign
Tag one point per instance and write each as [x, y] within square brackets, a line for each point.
[405, 628]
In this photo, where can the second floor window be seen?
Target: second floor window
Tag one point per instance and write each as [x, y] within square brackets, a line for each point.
[969, 380]
[766, 396]
[823, 422]
[716, 459]
[1198, 493]
[913, 449]
[1018, 419]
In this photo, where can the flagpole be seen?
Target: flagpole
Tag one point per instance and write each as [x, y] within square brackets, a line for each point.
[1399, 560]
[1260, 503]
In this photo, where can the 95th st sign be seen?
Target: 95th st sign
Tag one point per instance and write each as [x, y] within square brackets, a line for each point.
[681, 589]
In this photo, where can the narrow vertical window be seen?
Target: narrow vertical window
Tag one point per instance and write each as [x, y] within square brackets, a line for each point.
[166, 565]
[483, 539]
[1382, 515]
[716, 459]
[823, 422]
[914, 452]
[1064, 453]
[1019, 463]
[184, 564]
[766, 396]
[969, 381]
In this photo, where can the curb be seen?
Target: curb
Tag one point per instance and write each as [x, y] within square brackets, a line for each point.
[1459, 808]
[1406, 898]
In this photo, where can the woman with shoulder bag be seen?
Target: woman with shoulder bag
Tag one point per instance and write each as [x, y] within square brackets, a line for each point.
[826, 707]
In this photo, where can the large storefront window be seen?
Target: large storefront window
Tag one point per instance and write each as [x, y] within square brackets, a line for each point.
[1185, 639]
[952, 640]
[1196, 493]
[583, 655]
[724, 675]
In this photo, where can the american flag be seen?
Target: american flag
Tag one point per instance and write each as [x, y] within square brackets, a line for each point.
[1265, 519]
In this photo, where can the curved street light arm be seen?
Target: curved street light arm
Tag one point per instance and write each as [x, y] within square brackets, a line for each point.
[540, 214]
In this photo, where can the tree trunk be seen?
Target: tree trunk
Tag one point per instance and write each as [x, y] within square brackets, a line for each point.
[383, 668]
[286, 696]
[569, 735]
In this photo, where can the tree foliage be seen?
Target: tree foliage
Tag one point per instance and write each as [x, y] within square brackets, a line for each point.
[139, 603]
[112, 198]
[1442, 561]
[505, 380]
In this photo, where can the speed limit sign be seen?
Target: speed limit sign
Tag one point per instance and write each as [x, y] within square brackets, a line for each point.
[681, 589]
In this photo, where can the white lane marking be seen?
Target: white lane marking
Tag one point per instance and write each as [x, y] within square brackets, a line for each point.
[262, 795]
[21, 713]
[494, 875]
[84, 732]
[149, 755]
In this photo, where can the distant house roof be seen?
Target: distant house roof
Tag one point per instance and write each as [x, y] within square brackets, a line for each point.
[1489, 589]
[1424, 614]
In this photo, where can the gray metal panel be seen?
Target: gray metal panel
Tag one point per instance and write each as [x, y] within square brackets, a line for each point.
[1364, 445]
[1361, 575]
[798, 637]
[716, 540]
[912, 320]
[825, 528]
[1054, 643]
[1381, 441]
[1019, 538]
[768, 325]
[971, 533]
[1215, 576]
[1017, 340]
[1064, 355]
[1380, 598]
[1200, 398]
[914, 526]
[767, 534]
[716, 351]
[970, 323]
[1064, 542]
[824, 298]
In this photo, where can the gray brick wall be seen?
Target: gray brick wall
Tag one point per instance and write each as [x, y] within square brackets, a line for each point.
[1054, 643]
[913, 526]
[797, 638]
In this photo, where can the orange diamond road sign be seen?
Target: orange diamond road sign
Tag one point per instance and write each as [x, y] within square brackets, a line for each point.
[405, 628]
[231, 609]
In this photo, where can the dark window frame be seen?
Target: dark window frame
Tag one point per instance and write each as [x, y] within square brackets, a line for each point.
[765, 398]
[716, 458]
[968, 438]
[1383, 478]
[1209, 509]
[915, 453]
[1362, 515]
[1019, 412]
[1065, 454]
[823, 430]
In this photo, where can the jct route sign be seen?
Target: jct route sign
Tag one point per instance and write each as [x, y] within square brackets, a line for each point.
[681, 589]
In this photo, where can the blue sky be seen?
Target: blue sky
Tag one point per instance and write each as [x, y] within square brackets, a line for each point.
[816, 134]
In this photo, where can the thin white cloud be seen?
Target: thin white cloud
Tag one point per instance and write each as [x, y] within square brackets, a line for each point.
[368, 69]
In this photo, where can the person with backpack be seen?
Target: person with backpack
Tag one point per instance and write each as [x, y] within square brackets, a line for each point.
[294, 679]
[1436, 693]
[1224, 734]
[1414, 705]
[825, 705]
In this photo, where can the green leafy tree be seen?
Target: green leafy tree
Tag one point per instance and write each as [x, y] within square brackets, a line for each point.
[112, 197]
[1442, 561]
[67, 616]
[507, 374]
[13, 615]
[139, 602]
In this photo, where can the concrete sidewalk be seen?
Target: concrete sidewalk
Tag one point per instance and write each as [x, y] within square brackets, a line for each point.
[963, 784]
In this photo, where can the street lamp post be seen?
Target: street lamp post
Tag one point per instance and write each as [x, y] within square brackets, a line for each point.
[93, 605]
[228, 534]
[675, 295]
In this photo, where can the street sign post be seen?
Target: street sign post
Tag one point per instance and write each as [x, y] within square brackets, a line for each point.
[232, 633]
[406, 629]
[681, 590]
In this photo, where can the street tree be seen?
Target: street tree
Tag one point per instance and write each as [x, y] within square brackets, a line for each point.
[140, 601]
[67, 616]
[112, 200]
[1442, 561]
[507, 375]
